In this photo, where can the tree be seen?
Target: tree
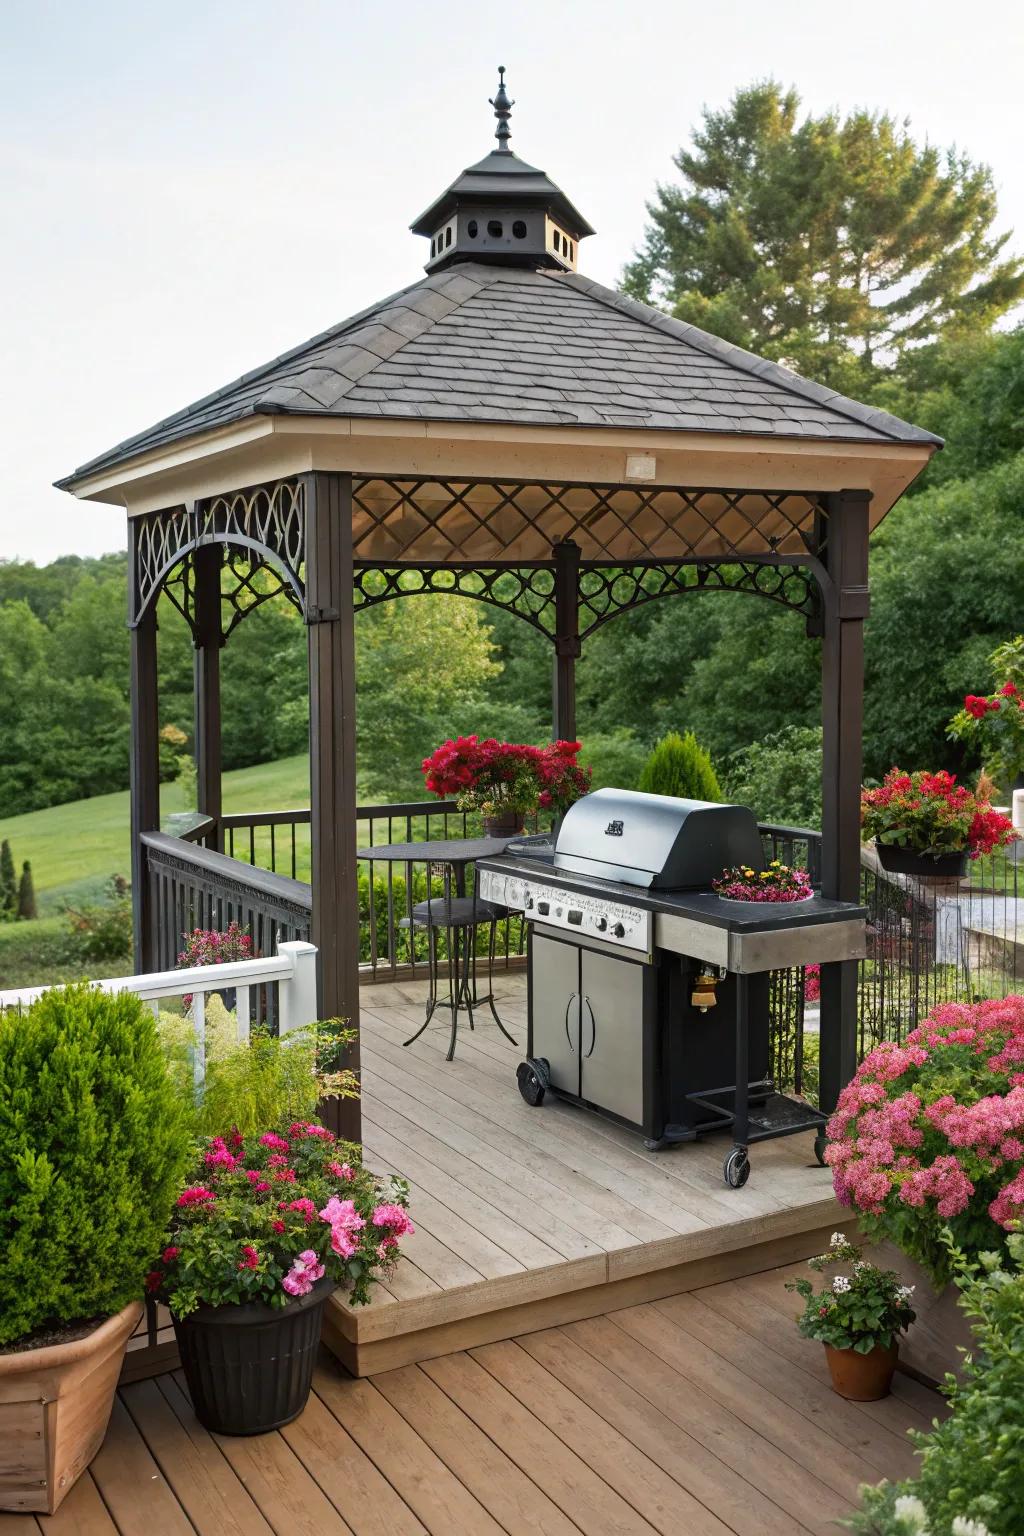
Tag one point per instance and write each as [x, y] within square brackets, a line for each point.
[27, 909]
[832, 244]
[8, 883]
[779, 776]
[680, 766]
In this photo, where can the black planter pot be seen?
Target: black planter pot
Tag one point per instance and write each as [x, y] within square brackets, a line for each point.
[249, 1369]
[901, 861]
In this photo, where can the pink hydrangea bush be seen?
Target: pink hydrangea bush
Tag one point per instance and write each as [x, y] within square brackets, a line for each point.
[266, 1217]
[930, 1134]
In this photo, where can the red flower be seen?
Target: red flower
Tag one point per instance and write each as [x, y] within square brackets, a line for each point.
[277, 1226]
[250, 1258]
[975, 706]
[170, 1254]
[154, 1280]
[1009, 690]
[195, 1195]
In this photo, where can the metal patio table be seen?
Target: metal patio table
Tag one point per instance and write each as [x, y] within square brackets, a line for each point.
[455, 913]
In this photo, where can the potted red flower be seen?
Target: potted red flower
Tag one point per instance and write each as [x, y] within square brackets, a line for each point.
[506, 781]
[263, 1232]
[928, 824]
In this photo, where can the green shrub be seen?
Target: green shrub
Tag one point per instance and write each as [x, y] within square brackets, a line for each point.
[972, 1464]
[8, 884]
[92, 1146]
[27, 909]
[779, 777]
[616, 758]
[680, 766]
[104, 933]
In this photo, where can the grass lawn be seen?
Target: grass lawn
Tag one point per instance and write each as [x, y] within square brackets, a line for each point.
[75, 848]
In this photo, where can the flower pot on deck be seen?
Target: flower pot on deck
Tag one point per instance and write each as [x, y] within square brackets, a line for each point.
[505, 825]
[55, 1404]
[249, 1368]
[862, 1378]
[901, 861]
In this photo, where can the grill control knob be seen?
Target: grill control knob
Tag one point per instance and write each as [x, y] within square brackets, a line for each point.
[601, 923]
[619, 931]
[528, 903]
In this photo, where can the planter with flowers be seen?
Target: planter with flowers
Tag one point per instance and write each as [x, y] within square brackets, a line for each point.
[267, 1227]
[777, 883]
[859, 1317]
[926, 824]
[929, 1136]
[93, 1143]
[506, 781]
[214, 946]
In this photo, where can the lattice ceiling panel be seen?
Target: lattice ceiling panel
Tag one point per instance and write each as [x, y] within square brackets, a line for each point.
[506, 523]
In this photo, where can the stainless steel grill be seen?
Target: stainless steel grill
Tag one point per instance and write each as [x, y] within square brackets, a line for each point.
[622, 921]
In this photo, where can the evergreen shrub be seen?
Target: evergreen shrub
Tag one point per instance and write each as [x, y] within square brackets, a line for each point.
[680, 766]
[93, 1144]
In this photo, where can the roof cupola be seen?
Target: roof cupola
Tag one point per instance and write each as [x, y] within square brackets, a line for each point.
[502, 210]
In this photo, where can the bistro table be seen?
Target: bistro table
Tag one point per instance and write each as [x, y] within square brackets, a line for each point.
[457, 914]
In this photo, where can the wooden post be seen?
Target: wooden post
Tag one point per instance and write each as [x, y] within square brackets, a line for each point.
[842, 704]
[206, 673]
[330, 612]
[145, 756]
[567, 639]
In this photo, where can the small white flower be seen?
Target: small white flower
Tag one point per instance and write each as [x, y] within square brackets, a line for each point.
[837, 1240]
[840, 1285]
[904, 1292]
[911, 1512]
[861, 1265]
[964, 1527]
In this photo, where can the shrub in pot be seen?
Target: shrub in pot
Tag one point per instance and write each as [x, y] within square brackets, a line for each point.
[971, 1480]
[93, 1143]
[859, 1317]
[266, 1228]
[929, 1135]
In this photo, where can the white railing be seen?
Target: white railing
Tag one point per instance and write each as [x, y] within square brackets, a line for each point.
[293, 968]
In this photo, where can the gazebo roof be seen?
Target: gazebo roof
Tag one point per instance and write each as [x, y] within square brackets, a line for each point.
[486, 343]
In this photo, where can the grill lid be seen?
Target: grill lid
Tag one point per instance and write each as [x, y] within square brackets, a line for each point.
[655, 841]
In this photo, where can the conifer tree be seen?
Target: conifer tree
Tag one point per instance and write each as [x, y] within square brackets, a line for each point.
[834, 245]
[27, 909]
[8, 883]
[680, 766]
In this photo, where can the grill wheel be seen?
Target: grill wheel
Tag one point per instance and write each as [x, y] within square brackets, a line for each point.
[534, 1079]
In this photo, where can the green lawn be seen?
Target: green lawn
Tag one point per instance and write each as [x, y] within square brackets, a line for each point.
[75, 848]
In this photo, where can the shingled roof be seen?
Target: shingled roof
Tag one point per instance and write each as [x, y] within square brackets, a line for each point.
[484, 343]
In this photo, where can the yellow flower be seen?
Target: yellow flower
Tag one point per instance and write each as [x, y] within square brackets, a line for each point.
[766, 874]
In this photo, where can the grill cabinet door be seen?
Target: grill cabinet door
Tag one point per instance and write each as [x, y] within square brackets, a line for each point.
[555, 1008]
[612, 1035]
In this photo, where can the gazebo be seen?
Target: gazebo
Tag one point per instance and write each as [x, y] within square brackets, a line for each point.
[508, 430]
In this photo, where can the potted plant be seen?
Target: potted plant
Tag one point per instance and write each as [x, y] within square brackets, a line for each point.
[213, 946]
[506, 781]
[777, 883]
[859, 1317]
[928, 824]
[93, 1143]
[264, 1230]
[994, 722]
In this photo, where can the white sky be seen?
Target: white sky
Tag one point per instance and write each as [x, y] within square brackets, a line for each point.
[188, 189]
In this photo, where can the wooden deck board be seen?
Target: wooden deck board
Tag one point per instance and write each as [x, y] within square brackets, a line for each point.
[517, 1207]
[662, 1418]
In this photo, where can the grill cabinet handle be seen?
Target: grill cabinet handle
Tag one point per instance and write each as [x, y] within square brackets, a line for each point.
[593, 1028]
[568, 1008]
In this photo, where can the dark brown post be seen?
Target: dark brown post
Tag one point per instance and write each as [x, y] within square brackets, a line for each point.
[332, 758]
[842, 702]
[145, 756]
[567, 639]
[206, 673]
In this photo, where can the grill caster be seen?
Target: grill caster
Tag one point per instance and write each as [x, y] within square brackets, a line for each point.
[534, 1079]
[820, 1143]
[736, 1169]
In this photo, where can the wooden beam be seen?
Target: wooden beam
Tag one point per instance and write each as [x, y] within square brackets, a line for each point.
[144, 776]
[567, 639]
[206, 673]
[330, 613]
[842, 700]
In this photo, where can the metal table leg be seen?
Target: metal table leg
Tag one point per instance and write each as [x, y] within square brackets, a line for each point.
[737, 1164]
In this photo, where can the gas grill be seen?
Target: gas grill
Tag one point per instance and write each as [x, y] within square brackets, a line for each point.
[648, 994]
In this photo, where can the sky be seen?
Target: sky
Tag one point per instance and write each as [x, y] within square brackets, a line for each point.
[187, 190]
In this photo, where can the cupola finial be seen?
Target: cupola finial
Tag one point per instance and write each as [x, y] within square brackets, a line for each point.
[502, 111]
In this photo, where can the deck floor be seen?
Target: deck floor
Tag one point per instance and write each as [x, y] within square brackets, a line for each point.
[516, 1206]
[704, 1414]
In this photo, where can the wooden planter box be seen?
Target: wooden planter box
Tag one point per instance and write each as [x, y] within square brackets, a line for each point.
[933, 1345]
[54, 1407]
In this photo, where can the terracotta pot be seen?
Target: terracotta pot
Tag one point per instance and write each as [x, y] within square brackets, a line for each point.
[505, 825]
[54, 1408]
[862, 1378]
